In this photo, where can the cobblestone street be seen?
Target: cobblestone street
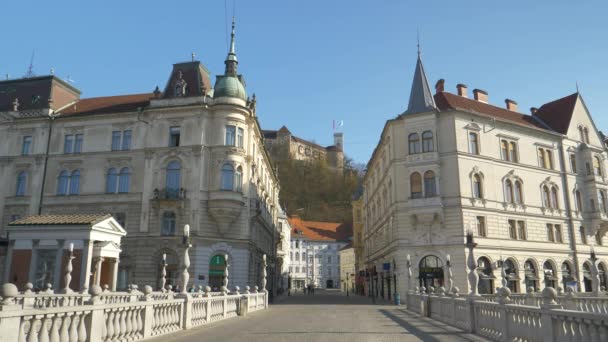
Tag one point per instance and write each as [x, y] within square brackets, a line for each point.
[326, 316]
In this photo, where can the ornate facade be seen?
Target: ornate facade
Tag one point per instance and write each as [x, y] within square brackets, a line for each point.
[192, 154]
[531, 189]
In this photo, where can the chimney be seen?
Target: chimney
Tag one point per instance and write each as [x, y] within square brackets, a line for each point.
[439, 86]
[511, 105]
[462, 89]
[480, 95]
[533, 110]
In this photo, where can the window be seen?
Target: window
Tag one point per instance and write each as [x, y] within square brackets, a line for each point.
[416, 185]
[303, 256]
[521, 230]
[473, 143]
[597, 169]
[602, 201]
[62, 182]
[477, 186]
[414, 143]
[430, 186]
[583, 235]
[509, 150]
[579, 201]
[124, 180]
[427, 142]
[21, 182]
[545, 158]
[546, 197]
[111, 179]
[573, 163]
[588, 167]
[297, 243]
[598, 239]
[239, 137]
[481, 226]
[238, 179]
[230, 135]
[121, 140]
[75, 182]
[554, 198]
[172, 180]
[26, 146]
[513, 152]
[78, 143]
[68, 143]
[558, 233]
[329, 259]
[297, 256]
[550, 233]
[512, 229]
[174, 136]
[168, 227]
[504, 147]
[509, 195]
[519, 199]
[227, 177]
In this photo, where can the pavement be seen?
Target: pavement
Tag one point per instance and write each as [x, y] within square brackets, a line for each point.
[325, 316]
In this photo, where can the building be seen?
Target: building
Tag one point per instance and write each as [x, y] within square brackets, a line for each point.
[358, 229]
[192, 154]
[283, 141]
[531, 189]
[283, 252]
[41, 246]
[315, 257]
[347, 268]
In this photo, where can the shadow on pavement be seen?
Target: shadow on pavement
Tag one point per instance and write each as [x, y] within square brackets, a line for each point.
[322, 297]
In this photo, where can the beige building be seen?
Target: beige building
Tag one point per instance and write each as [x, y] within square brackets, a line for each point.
[347, 268]
[192, 154]
[531, 188]
[283, 141]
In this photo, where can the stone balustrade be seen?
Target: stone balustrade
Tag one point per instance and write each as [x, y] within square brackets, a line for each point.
[116, 316]
[531, 317]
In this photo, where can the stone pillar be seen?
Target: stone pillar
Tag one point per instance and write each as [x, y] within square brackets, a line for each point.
[114, 275]
[97, 277]
[32, 269]
[58, 264]
[85, 268]
[8, 262]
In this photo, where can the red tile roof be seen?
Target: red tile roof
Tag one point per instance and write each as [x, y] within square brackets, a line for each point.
[558, 114]
[107, 104]
[321, 231]
[448, 101]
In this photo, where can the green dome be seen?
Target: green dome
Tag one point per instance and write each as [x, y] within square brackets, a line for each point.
[229, 86]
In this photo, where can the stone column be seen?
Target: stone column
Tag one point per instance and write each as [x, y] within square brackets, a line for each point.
[114, 275]
[8, 262]
[32, 270]
[58, 264]
[97, 277]
[85, 265]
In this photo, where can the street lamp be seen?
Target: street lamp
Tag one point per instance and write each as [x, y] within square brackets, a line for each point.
[347, 285]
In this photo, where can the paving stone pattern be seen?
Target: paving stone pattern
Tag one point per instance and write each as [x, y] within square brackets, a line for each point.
[325, 316]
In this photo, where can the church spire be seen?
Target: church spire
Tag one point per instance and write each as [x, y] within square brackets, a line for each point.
[231, 61]
[421, 98]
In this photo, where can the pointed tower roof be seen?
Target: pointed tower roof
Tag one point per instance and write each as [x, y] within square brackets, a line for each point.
[421, 98]
[230, 84]
[231, 60]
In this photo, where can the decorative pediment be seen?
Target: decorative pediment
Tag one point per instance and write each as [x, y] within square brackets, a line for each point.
[473, 127]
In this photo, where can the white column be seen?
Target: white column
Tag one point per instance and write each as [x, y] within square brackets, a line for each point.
[58, 265]
[114, 275]
[85, 265]
[8, 262]
[32, 270]
[97, 278]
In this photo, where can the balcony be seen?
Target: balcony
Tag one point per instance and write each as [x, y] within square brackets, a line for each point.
[225, 207]
[169, 194]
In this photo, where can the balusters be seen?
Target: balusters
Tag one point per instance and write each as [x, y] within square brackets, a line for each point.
[73, 328]
[54, 333]
[43, 333]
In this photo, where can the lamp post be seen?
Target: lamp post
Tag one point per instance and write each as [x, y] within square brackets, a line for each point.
[347, 285]
[408, 263]
[163, 273]
[595, 278]
[186, 259]
[473, 276]
[448, 263]
[68, 271]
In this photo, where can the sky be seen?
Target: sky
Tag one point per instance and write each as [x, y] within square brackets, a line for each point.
[314, 61]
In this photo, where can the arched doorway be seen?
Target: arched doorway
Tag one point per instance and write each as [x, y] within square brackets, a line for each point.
[486, 276]
[329, 284]
[531, 275]
[217, 272]
[549, 273]
[430, 272]
[568, 279]
[512, 275]
[588, 287]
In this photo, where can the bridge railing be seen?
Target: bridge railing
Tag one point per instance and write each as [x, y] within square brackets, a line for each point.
[549, 317]
[116, 316]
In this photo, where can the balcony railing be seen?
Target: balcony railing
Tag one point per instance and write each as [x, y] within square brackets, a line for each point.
[169, 194]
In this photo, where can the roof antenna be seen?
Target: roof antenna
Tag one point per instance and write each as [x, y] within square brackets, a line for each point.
[193, 55]
[577, 91]
[30, 69]
[418, 40]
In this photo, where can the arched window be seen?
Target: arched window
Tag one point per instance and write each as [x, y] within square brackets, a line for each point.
[172, 180]
[414, 143]
[416, 185]
[75, 182]
[587, 276]
[597, 169]
[217, 271]
[297, 256]
[111, 181]
[504, 147]
[62, 182]
[430, 272]
[579, 201]
[554, 198]
[567, 277]
[486, 276]
[238, 179]
[124, 180]
[513, 152]
[473, 143]
[519, 198]
[511, 274]
[477, 186]
[430, 186]
[427, 142]
[546, 197]
[602, 201]
[21, 182]
[168, 227]
[549, 273]
[227, 177]
[531, 275]
[509, 191]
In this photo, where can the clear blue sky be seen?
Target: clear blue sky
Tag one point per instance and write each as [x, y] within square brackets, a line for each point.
[316, 60]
